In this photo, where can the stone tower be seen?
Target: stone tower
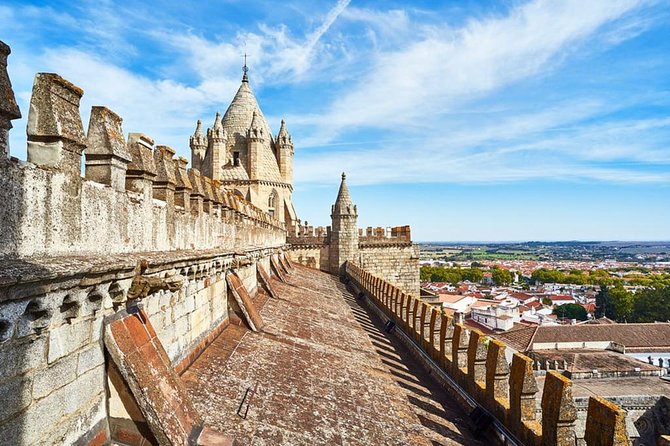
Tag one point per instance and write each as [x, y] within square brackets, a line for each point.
[344, 229]
[198, 145]
[242, 153]
[255, 140]
[216, 149]
[285, 153]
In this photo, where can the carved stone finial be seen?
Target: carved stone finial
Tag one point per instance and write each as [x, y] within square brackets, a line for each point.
[107, 155]
[55, 131]
[142, 169]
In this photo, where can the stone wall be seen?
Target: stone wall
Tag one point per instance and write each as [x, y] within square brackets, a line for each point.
[53, 314]
[476, 368]
[139, 228]
[313, 256]
[399, 264]
[385, 252]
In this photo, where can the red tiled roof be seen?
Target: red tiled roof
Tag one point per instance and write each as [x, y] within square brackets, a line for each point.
[518, 338]
[636, 337]
[590, 308]
[561, 297]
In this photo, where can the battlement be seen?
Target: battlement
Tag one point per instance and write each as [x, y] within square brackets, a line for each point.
[144, 197]
[477, 367]
[306, 234]
[398, 235]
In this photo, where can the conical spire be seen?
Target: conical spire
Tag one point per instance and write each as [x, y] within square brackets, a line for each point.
[198, 138]
[283, 137]
[217, 132]
[217, 122]
[256, 127]
[343, 205]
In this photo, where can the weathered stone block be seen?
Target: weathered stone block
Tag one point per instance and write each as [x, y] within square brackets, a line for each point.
[477, 353]
[522, 390]
[497, 372]
[141, 170]
[16, 396]
[61, 373]
[55, 131]
[22, 357]
[605, 424]
[558, 411]
[67, 338]
[89, 359]
[107, 156]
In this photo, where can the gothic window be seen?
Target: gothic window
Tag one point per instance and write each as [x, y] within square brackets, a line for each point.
[236, 158]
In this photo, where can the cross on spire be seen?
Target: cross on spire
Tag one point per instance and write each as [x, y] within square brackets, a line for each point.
[245, 69]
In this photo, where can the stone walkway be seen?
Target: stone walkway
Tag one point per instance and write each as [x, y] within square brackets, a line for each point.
[326, 374]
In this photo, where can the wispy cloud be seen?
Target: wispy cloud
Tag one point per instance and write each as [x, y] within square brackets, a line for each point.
[449, 66]
[413, 100]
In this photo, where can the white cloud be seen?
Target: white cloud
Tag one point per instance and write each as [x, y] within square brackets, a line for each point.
[447, 66]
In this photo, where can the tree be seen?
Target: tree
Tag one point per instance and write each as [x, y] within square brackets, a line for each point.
[652, 305]
[501, 276]
[603, 304]
[571, 311]
[472, 274]
[622, 303]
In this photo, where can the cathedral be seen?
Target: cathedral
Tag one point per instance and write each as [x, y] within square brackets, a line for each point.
[241, 152]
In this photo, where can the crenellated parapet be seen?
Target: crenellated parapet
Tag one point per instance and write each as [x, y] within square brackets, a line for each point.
[307, 235]
[398, 235]
[136, 196]
[476, 367]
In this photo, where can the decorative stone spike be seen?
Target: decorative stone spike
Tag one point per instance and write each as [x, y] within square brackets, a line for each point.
[107, 156]
[522, 389]
[477, 353]
[183, 185]
[558, 411]
[9, 110]
[165, 181]
[459, 350]
[208, 194]
[197, 193]
[497, 373]
[55, 132]
[141, 170]
[605, 424]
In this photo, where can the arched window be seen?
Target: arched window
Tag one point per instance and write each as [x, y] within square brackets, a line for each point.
[272, 202]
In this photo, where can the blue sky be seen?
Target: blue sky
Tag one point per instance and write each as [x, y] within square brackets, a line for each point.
[469, 120]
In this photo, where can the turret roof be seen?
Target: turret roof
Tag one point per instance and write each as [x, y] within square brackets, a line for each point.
[238, 119]
[343, 204]
[283, 135]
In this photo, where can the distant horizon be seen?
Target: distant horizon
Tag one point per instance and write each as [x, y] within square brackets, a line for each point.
[502, 242]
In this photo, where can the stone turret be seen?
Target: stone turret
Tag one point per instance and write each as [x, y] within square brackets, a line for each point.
[284, 144]
[198, 143]
[216, 151]
[344, 229]
[255, 139]
[242, 154]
